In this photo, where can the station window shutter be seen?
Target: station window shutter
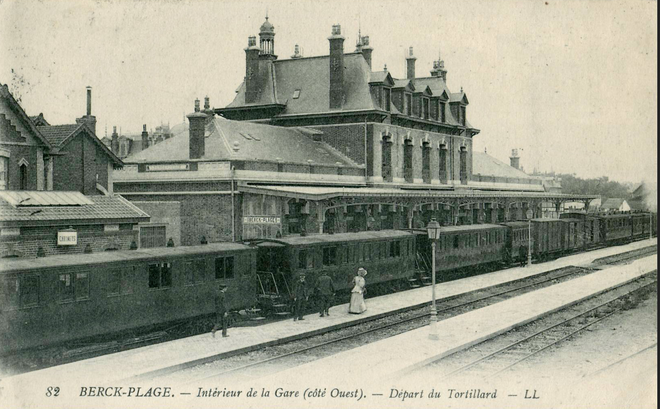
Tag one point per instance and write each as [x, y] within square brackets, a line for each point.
[152, 236]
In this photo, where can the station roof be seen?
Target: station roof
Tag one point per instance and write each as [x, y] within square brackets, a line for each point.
[321, 193]
[484, 164]
[241, 140]
[53, 210]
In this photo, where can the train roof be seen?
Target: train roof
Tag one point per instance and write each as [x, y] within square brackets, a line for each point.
[570, 220]
[67, 260]
[546, 220]
[334, 238]
[462, 229]
[516, 224]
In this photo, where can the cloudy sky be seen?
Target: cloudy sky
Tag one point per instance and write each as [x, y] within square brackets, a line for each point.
[572, 84]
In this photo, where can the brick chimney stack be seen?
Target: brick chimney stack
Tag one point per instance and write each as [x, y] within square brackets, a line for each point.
[88, 118]
[197, 129]
[145, 137]
[410, 64]
[251, 70]
[367, 50]
[114, 145]
[336, 68]
[515, 159]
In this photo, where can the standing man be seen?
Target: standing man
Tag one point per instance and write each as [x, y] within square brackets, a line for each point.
[300, 296]
[325, 289]
[220, 311]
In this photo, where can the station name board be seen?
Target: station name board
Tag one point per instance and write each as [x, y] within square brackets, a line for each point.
[67, 238]
[261, 220]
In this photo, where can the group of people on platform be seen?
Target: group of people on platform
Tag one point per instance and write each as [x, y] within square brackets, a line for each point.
[325, 290]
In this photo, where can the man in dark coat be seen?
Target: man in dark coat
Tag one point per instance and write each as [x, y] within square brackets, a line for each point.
[325, 289]
[220, 311]
[300, 296]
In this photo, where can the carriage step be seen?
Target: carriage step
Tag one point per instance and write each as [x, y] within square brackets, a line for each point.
[253, 311]
[280, 305]
[282, 313]
[415, 285]
[258, 318]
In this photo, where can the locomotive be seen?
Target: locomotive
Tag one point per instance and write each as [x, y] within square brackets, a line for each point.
[63, 298]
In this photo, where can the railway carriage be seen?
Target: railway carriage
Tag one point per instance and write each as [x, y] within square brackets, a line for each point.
[60, 298]
[517, 241]
[590, 227]
[548, 237]
[387, 255]
[465, 246]
[572, 234]
[618, 227]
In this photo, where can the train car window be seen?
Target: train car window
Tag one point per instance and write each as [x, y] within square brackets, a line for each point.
[165, 274]
[302, 259]
[330, 256]
[154, 276]
[81, 286]
[199, 270]
[456, 241]
[65, 287]
[397, 246]
[345, 254]
[224, 267]
[29, 291]
[9, 292]
[114, 282]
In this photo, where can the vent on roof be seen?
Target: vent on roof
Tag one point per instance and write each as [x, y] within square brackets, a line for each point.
[246, 136]
[296, 94]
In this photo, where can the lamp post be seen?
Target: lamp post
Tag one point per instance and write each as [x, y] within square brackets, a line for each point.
[433, 230]
[529, 215]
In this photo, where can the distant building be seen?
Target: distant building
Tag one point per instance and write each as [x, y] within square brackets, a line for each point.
[615, 205]
[126, 145]
[80, 161]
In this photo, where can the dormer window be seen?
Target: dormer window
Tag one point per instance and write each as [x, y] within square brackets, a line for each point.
[408, 104]
[425, 108]
[462, 115]
[387, 98]
[296, 94]
[443, 117]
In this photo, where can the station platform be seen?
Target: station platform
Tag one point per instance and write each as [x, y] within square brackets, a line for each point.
[142, 363]
[385, 362]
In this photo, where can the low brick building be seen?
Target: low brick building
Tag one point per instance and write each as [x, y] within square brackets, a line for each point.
[36, 223]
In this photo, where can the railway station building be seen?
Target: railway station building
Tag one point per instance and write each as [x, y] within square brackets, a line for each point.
[327, 144]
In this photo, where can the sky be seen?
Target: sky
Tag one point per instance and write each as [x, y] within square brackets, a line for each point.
[571, 84]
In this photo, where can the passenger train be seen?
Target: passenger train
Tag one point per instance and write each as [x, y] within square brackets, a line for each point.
[59, 299]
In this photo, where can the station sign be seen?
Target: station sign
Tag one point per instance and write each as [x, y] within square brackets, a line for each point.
[67, 238]
[262, 220]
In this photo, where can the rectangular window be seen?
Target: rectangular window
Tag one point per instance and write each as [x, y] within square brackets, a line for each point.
[408, 104]
[346, 255]
[114, 282]
[302, 259]
[4, 162]
[154, 276]
[160, 275]
[456, 241]
[65, 287]
[9, 295]
[224, 267]
[329, 256]
[152, 236]
[29, 291]
[296, 94]
[82, 286]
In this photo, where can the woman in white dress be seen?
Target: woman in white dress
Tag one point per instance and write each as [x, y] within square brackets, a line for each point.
[357, 305]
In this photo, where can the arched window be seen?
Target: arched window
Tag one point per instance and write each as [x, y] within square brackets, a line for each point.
[22, 177]
[426, 162]
[443, 164]
[464, 172]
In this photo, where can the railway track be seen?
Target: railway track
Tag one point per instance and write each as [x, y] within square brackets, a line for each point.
[627, 257]
[311, 348]
[496, 356]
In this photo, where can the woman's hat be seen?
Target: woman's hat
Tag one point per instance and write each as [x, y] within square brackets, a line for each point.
[362, 271]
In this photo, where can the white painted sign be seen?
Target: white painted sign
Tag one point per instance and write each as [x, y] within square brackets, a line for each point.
[10, 231]
[167, 166]
[111, 227]
[67, 238]
[261, 220]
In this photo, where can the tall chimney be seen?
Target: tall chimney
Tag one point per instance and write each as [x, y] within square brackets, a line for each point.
[515, 159]
[89, 101]
[336, 68]
[196, 132]
[145, 137]
[114, 144]
[367, 50]
[410, 64]
[88, 119]
[251, 71]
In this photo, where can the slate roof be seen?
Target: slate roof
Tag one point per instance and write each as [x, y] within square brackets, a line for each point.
[56, 134]
[486, 165]
[255, 142]
[103, 208]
